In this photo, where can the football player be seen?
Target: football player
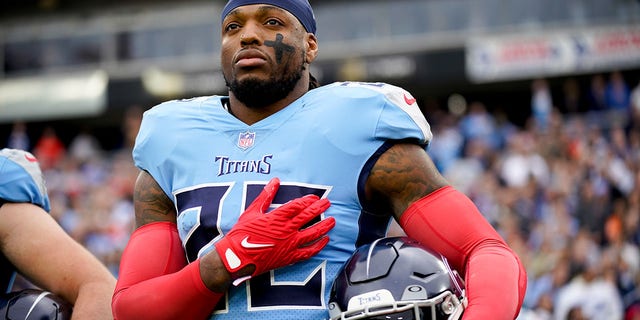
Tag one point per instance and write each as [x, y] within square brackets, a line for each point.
[32, 243]
[201, 251]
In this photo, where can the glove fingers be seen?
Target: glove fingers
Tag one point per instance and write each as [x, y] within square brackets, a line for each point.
[311, 212]
[311, 249]
[315, 231]
[295, 206]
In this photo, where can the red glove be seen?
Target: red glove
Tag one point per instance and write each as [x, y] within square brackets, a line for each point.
[272, 240]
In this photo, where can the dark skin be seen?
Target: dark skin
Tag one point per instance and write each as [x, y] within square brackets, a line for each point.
[260, 42]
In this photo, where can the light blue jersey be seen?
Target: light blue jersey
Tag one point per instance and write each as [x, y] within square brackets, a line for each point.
[212, 165]
[21, 181]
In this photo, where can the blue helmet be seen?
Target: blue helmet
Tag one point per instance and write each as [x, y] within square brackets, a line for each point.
[396, 278]
[33, 304]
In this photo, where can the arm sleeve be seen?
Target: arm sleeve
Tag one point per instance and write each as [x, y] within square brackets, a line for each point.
[448, 222]
[155, 281]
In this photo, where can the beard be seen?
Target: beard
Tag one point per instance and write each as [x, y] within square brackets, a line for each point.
[256, 93]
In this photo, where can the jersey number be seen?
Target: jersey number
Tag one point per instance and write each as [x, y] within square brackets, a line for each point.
[201, 206]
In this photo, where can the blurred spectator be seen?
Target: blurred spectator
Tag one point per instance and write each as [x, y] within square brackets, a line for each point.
[462, 172]
[617, 173]
[617, 93]
[618, 97]
[479, 124]
[541, 103]
[632, 218]
[522, 163]
[131, 125]
[635, 102]
[18, 138]
[576, 313]
[588, 290]
[620, 254]
[49, 149]
[122, 175]
[597, 99]
[447, 144]
[545, 286]
[572, 97]
[84, 146]
[590, 209]
[106, 225]
[505, 128]
[487, 193]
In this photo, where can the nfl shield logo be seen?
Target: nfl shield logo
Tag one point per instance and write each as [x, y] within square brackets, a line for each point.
[246, 139]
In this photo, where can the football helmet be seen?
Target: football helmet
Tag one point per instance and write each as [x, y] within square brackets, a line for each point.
[396, 278]
[33, 304]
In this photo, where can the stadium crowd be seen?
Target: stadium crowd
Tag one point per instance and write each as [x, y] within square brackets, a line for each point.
[563, 190]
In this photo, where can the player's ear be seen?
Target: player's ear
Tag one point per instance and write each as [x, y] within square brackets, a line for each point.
[312, 48]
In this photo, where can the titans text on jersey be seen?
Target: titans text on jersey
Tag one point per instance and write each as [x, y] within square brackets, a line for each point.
[227, 166]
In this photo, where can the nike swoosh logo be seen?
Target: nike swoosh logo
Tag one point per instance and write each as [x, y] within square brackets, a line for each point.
[246, 244]
[30, 158]
[408, 100]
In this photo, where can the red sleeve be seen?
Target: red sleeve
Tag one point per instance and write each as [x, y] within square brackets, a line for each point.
[155, 281]
[450, 223]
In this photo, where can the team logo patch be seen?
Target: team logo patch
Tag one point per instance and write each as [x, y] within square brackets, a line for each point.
[246, 139]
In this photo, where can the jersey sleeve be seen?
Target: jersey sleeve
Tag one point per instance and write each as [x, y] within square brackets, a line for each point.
[152, 144]
[401, 116]
[22, 180]
[396, 111]
[163, 128]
